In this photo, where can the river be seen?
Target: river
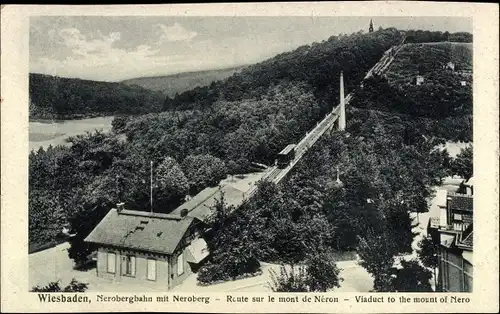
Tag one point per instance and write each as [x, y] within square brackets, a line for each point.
[43, 133]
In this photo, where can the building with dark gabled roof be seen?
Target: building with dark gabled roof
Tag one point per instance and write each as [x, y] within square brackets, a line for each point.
[200, 206]
[154, 248]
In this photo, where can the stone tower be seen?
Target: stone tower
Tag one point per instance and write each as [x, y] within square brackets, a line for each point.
[342, 104]
[371, 26]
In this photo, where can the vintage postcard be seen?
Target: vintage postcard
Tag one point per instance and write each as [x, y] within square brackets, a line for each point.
[271, 157]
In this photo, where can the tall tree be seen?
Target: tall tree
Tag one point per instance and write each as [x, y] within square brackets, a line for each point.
[428, 255]
[203, 171]
[322, 273]
[318, 274]
[171, 185]
[233, 251]
[463, 163]
[411, 277]
[377, 252]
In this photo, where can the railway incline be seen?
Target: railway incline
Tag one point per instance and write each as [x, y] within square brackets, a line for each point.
[275, 174]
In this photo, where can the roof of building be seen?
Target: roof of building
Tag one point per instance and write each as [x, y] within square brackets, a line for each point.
[196, 200]
[151, 232]
[201, 208]
[460, 202]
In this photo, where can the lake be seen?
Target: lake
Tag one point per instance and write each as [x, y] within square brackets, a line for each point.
[44, 133]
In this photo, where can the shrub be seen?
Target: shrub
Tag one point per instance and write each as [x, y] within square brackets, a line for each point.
[73, 286]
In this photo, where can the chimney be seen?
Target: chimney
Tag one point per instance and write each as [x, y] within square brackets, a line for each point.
[120, 207]
[342, 103]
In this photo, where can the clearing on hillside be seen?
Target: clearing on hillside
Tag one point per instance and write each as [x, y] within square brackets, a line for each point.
[428, 58]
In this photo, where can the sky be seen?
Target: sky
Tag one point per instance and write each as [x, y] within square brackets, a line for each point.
[107, 48]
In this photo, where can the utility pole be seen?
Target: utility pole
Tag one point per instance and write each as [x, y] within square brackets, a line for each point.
[151, 187]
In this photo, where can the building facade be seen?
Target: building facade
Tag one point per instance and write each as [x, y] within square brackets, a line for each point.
[149, 248]
[453, 232]
[455, 263]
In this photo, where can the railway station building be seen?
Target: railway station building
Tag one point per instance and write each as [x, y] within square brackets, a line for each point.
[160, 250]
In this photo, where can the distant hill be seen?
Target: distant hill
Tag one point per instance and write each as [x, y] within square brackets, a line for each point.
[181, 82]
[317, 65]
[53, 97]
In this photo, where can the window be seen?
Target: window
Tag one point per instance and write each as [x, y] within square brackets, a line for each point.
[151, 271]
[458, 226]
[111, 263]
[457, 217]
[180, 264]
[128, 265]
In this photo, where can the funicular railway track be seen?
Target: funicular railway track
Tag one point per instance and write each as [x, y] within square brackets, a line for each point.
[276, 174]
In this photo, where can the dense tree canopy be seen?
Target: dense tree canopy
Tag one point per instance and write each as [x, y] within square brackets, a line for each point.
[420, 36]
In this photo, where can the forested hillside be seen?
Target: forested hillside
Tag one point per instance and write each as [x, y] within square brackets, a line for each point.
[387, 165]
[441, 105]
[253, 114]
[205, 134]
[53, 97]
[383, 179]
[181, 82]
[317, 65]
